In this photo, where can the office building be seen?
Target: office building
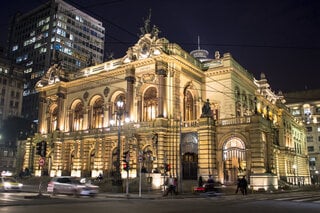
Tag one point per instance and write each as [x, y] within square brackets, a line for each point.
[11, 85]
[55, 32]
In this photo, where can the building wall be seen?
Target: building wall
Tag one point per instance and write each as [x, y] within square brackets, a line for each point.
[305, 107]
[11, 88]
[216, 121]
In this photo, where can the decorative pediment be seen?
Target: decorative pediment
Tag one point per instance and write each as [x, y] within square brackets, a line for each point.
[53, 75]
[146, 47]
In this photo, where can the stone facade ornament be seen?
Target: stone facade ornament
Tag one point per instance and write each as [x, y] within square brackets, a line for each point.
[206, 110]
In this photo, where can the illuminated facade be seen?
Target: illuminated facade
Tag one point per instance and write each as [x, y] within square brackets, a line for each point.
[202, 118]
[55, 31]
[305, 107]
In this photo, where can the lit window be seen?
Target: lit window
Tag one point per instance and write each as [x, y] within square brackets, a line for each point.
[295, 112]
[28, 70]
[15, 47]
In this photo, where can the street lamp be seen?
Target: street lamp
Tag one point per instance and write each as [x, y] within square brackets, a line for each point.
[119, 113]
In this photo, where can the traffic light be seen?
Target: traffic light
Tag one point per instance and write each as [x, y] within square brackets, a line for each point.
[126, 159]
[38, 148]
[41, 148]
[126, 166]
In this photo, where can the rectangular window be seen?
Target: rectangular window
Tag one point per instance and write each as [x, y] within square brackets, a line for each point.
[309, 129]
[296, 112]
[310, 149]
[309, 138]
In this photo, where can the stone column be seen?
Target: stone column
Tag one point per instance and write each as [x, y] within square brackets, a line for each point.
[61, 114]
[206, 148]
[161, 71]
[130, 78]
[86, 118]
[42, 113]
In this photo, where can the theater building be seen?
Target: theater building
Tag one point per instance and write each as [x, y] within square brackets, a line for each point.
[197, 115]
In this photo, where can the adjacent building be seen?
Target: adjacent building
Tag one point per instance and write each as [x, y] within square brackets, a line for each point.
[55, 32]
[11, 89]
[179, 115]
[305, 107]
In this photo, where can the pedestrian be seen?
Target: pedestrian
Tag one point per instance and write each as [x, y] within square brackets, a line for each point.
[243, 185]
[210, 184]
[171, 184]
[200, 182]
[238, 184]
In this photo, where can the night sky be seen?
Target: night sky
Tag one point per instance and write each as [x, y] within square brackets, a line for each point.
[280, 38]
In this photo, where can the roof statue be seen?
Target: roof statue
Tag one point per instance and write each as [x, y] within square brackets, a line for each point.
[148, 45]
[146, 28]
[53, 75]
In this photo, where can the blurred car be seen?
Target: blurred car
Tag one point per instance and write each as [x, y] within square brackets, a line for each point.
[72, 186]
[9, 184]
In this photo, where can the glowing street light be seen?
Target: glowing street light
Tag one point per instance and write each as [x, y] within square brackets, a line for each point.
[119, 113]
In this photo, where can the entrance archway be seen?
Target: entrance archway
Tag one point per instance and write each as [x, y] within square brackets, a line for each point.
[234, 159]
[189, 142]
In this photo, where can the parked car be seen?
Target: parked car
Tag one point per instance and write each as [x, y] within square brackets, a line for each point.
[8, 183]
[72, 186]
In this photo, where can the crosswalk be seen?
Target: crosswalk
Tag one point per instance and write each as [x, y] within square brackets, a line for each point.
[6, 198]
[302, 198]
[22, 198]
[306, 197]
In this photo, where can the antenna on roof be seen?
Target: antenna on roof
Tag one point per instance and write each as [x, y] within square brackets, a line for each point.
[198, 42]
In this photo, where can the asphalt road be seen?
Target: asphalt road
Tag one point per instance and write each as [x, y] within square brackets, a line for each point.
[261, 203]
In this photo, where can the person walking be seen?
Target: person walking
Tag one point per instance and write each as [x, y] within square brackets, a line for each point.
[171, 186]
[200, 182]
[209, 187]
[238, 184]
[243, 185]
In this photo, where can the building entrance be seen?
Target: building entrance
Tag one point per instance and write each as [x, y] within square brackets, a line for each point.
[234, 159]
[189, 148]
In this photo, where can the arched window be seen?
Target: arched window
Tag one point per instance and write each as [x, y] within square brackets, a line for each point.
[150, 104]
[97, 113]
[189, 106]
[234, 159]
[78, 116]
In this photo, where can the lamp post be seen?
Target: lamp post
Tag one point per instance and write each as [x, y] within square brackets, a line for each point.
[119, 113]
